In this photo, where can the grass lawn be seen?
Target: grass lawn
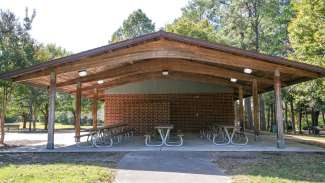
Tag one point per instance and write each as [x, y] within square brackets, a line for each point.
[273, 168]
[58, 167]
[59, 172]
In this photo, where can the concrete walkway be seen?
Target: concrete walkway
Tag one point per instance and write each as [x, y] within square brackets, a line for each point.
[169, 167]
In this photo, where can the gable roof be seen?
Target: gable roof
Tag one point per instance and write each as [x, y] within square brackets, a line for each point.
[161, 35]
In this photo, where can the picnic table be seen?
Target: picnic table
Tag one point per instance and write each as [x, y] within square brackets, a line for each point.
[9, 126]
[224, 135]
[164, 132]
[229, 139]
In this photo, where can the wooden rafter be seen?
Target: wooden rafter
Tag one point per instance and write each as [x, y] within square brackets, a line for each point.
[171, 65]
[171, 76]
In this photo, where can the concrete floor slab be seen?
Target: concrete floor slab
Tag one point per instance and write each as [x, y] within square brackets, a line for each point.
[65, 143]
[169, 167]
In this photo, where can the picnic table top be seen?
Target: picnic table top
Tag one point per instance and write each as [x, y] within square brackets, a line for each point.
[109, 126]
[12, 124]
[164, 127]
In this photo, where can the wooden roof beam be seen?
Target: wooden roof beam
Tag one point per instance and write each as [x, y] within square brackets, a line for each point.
[172, 75]
[171, 65]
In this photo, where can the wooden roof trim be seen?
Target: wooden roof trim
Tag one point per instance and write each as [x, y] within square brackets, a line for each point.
[246, 53]
[160, 35]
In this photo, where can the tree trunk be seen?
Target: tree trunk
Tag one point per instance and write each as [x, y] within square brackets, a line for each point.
[30, 114]
[46, 120]
[269, 118]
[30, 125]
[285, 125]
[262, 113]
[248, 109]
[293, 122]
[24, 116]
[308, 125]
[74, 118]
[300, 120]
[272, 117]
[45, 112]
[323, 114]
[2, 127]
[314, 118]
[34, 121]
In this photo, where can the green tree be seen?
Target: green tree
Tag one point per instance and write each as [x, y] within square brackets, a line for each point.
[46, 53]
[201, 29]
[307, 37]
[16, 50]
[258, 25]
[135, 25]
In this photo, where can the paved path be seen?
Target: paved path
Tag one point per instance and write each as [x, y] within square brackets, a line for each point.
[169, 167]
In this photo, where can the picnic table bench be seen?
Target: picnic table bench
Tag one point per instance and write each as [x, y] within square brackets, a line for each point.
[9, 126]
[316, 130]
[108, 135]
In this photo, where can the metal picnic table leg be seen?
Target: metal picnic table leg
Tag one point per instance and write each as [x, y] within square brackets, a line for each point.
[228, 136]
[232, 135]
[164, 136]
[156, 145]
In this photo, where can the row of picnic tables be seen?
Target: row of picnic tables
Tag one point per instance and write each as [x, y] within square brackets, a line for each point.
[116, 133]
[108, 135]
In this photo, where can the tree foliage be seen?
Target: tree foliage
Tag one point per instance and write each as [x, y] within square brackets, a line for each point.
[16, 51]
[135, 25]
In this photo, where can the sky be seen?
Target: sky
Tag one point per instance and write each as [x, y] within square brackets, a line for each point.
[79, 25]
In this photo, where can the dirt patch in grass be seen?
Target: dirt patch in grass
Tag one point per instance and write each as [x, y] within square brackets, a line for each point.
[273, 167]
[58, 167]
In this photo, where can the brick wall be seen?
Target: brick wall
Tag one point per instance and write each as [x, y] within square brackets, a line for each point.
[188, 112]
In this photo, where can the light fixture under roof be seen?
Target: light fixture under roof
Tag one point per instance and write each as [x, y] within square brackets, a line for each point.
[100, 82]
[82, 73]
[248, 71]
[165, 73]
[234, 80]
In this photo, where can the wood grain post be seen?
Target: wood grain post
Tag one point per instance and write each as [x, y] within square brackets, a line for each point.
[78, 112]
[51, 117]
[278, 109]
[94, 109]
[255, 108]
[241, 108]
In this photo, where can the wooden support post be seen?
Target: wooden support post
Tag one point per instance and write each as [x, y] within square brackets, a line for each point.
[78, 112]
[236, 113]
[51, 117]
[241, 108]
[94, 109]
[255, 108]
[278, 109]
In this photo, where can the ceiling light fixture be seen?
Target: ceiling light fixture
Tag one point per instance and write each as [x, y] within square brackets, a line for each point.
[234, 80]
[100, 82]
[248, 71]
[82, 73]
[165, 73]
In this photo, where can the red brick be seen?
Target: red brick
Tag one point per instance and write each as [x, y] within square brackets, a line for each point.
[144, 111]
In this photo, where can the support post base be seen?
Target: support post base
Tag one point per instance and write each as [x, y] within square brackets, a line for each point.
[50, 146]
